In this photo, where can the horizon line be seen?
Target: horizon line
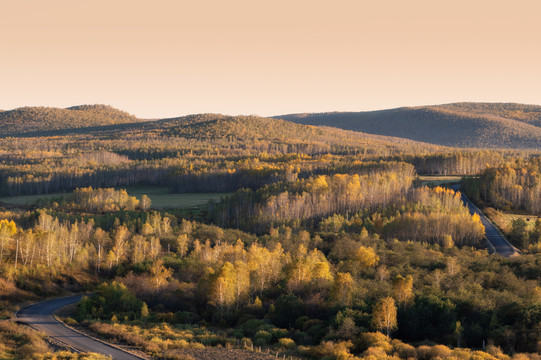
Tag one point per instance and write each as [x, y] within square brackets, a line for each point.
[273, 115]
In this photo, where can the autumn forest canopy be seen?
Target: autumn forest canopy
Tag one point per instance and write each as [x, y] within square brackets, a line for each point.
[304, 238]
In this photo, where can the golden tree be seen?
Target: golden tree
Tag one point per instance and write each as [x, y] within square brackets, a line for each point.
[384, 315]
[367, 257]
[160, 274]
[121, 243]
[7, 230]
[403, 289]
[145, 203]
[182, 245]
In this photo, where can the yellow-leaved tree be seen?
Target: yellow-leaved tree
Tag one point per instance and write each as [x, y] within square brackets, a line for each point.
[7, 230]
[222, 293]
[310, 266]
[265, 266]
[366, 256]
[403, 289]
[384, 315]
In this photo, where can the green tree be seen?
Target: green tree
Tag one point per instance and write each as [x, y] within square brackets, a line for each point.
[144, 310]
[342, 289]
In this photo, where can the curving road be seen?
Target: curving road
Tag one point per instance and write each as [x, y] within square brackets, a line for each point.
[497, 242]
[40, 317]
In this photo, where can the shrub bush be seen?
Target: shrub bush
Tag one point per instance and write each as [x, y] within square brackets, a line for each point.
[262, 337]
[286, 343]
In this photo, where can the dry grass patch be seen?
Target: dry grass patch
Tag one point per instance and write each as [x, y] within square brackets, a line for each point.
[504, 220]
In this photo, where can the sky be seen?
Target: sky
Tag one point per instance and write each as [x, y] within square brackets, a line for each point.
[166, 58]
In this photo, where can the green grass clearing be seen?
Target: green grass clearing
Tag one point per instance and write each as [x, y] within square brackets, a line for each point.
[28, 199]
[160, 196]
[162, 199]
[437, 180]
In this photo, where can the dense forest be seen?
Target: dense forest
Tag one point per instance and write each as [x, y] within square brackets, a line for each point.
[324, 245]
[512, 185]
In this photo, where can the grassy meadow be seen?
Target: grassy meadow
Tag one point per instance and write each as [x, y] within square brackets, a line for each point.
[160, 196]
[437, 180]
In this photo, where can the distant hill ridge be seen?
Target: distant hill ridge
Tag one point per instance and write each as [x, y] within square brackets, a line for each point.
[480, 125]
[253, 130]
[35, 119]
[484, 125]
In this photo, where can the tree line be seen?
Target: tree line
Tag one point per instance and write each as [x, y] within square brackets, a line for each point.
[512, 185]
[310, 199]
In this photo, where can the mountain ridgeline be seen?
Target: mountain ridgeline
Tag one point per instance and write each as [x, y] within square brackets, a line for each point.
[478, 125]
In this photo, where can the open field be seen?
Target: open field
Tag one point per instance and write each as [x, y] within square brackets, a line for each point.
[160, 196]
[162, 199]
[28, 199]
[437, 180]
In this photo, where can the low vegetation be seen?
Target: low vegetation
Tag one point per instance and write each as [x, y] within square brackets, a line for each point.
[20, 342]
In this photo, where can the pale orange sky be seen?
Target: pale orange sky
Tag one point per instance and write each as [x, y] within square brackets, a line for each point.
[166, 58]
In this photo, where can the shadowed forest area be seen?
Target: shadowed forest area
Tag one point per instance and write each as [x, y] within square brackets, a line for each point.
[319, 243]
[480, 125]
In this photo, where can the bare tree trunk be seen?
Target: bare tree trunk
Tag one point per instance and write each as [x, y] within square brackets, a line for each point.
[2, 249]
[16, 252]
[99, 258]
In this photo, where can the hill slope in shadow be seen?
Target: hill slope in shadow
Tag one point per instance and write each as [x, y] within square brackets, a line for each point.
[481, 125]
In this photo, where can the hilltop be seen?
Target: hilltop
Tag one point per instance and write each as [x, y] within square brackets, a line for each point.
[484, 125]
[258, 133]
[27, 120]
[255, 128]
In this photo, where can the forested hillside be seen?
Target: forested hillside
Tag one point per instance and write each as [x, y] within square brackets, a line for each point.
[530, 114]
[203, 153]
[258, 133]
[45, 119]
[211, 153]
[477, 125]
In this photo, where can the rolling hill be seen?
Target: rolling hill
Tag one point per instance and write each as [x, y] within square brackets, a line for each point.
[250, 132]
[477, 125]
[480, 125]
[27, 120]
[253, 132]
[253, 129]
